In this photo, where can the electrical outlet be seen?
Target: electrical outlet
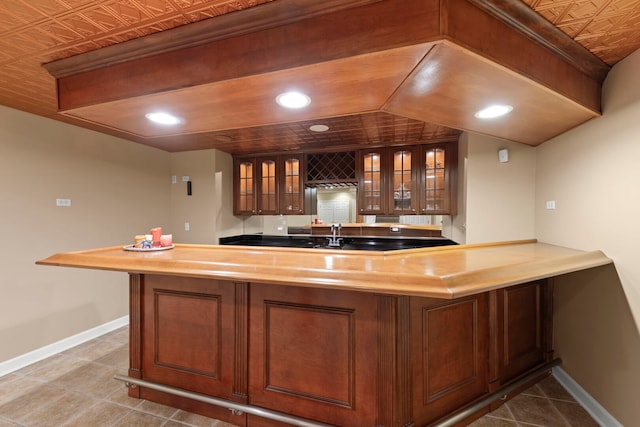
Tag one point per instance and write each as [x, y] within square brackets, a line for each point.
[174, 179]
[187, 226]
[185, 178]
[63, 202]
[551, 204]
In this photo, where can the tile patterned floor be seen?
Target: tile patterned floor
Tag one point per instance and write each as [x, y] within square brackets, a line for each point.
[76, 389]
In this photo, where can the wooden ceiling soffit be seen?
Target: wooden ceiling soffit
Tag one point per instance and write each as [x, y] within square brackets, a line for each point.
[331, 51]
[357, 84]
[520, 16]
[452, 98]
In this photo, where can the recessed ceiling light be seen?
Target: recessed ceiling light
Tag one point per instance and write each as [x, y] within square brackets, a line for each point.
[319, 128]
[163, 118]
[494, 111]
[293, 100]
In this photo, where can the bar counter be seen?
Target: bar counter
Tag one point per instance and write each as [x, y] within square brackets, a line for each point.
[270, 336]
[440, 272]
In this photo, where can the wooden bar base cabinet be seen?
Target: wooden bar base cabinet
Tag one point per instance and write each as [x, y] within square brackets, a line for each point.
[336, 357]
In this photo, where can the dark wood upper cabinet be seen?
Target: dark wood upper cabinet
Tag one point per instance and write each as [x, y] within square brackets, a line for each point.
[437, 179]
[292, 185]
[244, 186]
[371, 170]
[269, 185]
[408, 180]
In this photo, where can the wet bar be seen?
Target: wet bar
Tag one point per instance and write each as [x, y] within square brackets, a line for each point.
[337, 336]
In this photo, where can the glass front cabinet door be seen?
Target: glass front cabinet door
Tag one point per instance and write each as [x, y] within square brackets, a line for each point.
[268, 186]
[372, 197]
[245, 187]
[292, 189]
[403, 181]
[256, 186]
[438, 169]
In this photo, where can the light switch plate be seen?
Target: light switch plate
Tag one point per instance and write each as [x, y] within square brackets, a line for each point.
[551, 204]
[503, 155]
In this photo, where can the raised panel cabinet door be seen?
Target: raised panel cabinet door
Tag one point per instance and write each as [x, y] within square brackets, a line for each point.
[189, 334]
[313, 353]
[449, 355]
[523, 328]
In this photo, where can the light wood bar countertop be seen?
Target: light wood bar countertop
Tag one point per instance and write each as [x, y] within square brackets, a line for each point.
[439, 272]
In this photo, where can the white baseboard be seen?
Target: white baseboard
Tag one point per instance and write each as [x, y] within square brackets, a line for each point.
[27, 359]
[597, 411]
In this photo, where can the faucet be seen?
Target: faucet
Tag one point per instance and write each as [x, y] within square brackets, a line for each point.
[333, 240]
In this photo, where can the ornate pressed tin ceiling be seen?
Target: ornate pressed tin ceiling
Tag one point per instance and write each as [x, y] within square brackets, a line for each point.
[34, 32]
[610, 29]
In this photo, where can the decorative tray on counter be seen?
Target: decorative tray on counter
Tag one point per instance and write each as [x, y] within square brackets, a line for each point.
[134, 249]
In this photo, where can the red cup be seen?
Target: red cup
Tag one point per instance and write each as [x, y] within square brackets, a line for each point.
[156, 236]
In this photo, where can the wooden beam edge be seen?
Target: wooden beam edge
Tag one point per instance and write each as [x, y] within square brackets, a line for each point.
[262, 17]
[518, 15]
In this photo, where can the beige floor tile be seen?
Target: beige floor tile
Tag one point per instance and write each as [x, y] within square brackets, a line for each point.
[535, 410]
[65, 408]
[488, 421]
[55, 367]
[93, 350]
[121, 397]
[93, 379]
[156, 409]
[502, 412]
[118, 358]
[534, 391]
[218, 423]
[13, 387]
[553, 389]
[27, 369]
[8, 378]
[192, 419]
[36, 399]
[140, 419]
[575, 414]
[102, 414]
[120, 335]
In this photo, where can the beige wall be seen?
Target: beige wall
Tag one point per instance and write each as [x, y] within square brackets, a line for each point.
[209, 210]
[117, 188]
[495, 200]
[592, 173]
